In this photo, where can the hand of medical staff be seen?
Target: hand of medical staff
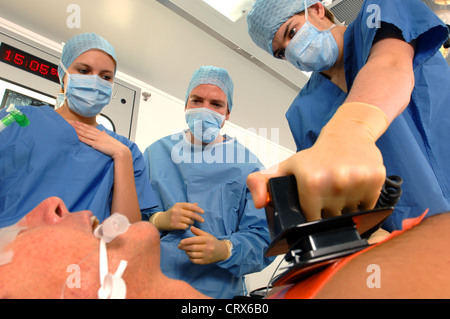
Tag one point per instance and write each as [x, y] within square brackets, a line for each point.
[125, 199]
[179, 216]
[99, 140]
[204, 248]
[342, 172]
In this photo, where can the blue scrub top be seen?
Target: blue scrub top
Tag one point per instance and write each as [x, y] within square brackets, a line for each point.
[47, 159]
[214, 177]
[415, 146]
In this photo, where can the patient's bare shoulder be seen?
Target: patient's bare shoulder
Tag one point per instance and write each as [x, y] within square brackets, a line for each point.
[415, 264]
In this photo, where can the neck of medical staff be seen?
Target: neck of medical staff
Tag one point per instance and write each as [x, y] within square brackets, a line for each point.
[143, 276]
[336, 73]
[191, 138]
[70, 115]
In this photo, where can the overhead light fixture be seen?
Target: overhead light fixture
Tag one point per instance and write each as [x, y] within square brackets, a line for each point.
[442, 2]
[232, 9]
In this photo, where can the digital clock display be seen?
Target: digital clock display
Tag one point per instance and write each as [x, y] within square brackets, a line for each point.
[28, 62]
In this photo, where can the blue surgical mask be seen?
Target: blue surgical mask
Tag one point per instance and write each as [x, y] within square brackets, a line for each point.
[311, 49]
[204, 123]
[87, 95]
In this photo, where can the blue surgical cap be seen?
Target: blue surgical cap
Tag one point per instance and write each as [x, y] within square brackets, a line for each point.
[267, 16]
[79, 44]
[212, 75]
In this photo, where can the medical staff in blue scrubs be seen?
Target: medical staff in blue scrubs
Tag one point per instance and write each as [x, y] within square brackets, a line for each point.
[377, 103]
[65, 153]
[212, 234]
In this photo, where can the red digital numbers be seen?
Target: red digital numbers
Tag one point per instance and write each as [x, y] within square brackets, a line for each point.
[44, 69]
[29, 62]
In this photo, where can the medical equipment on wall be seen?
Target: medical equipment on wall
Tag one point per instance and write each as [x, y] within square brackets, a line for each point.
[112, 286]
[14, 116]
[311, 246]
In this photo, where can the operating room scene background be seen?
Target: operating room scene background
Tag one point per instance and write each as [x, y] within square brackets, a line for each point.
[159, 43]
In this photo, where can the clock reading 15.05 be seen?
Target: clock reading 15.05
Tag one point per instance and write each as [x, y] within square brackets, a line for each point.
[28, 62]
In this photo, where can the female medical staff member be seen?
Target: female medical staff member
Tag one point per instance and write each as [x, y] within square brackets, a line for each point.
[65, 153]
[379, 91]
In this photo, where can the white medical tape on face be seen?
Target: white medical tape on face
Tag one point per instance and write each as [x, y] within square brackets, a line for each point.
[112, 227]
[7, 237]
